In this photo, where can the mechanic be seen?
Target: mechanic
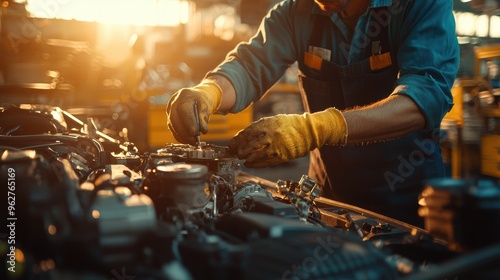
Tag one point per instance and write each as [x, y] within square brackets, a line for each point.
[375, 78]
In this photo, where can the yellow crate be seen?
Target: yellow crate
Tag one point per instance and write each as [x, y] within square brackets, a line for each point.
[490, 146]
[220, 128]
[490, 155]
[456, 113]
[490, 168]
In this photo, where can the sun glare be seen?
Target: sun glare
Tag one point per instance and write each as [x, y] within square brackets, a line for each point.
[134, 12]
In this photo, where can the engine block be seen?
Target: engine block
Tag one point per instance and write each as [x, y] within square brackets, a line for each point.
[190, 212]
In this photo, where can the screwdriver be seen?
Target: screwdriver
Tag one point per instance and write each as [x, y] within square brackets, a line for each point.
[197, 118]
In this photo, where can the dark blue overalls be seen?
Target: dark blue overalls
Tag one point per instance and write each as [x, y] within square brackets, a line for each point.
[385, 177]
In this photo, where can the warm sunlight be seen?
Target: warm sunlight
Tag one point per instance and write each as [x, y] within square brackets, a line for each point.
[134, 12]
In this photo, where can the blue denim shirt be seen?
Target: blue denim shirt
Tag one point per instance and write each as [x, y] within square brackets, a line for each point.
[422, 33]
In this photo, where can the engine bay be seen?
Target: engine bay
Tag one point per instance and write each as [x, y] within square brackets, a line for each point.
[82, 205]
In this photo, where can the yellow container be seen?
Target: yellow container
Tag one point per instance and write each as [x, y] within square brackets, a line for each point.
[490, 155]
[221, 128]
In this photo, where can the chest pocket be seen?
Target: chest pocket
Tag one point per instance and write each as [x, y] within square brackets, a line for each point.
[356, 84]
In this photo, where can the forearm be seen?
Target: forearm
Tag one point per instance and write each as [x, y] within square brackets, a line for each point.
[387, 119]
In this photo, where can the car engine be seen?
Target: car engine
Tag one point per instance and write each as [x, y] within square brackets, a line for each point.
[82, 205]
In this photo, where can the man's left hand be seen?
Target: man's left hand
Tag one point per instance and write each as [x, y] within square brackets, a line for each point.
[274, 140]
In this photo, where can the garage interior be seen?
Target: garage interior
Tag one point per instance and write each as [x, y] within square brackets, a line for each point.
[113, 65]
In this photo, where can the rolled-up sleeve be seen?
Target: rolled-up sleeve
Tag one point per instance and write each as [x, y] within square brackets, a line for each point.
[428, 58]
[254, 66]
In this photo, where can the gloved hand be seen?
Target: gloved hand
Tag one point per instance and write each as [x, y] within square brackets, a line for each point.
[281, 138]
[180, 110]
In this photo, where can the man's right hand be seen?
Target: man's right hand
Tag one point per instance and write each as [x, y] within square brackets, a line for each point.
[180, 110]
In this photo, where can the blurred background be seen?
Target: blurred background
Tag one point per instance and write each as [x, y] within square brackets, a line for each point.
[119, 61]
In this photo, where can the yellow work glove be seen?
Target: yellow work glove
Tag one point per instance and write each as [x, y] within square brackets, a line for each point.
[274, 140]
[180, 110]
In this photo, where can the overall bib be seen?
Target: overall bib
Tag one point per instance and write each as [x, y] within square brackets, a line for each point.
[385, 177]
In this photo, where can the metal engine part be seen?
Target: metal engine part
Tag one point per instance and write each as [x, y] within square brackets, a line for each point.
[28, 119]
[217, 158]
[121, 218]
[189, 152]
[188, 212]
[185, 184]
